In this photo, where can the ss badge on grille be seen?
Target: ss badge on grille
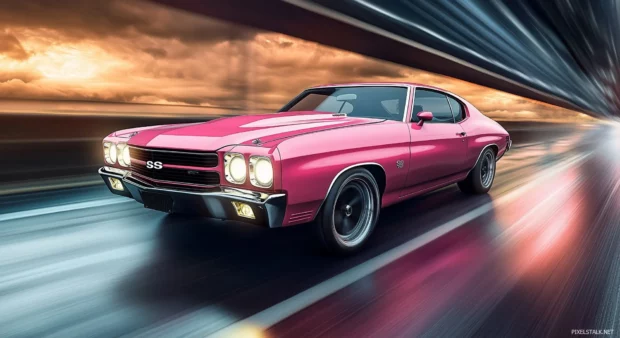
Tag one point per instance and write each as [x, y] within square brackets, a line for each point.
[400, 164]
[154, 165]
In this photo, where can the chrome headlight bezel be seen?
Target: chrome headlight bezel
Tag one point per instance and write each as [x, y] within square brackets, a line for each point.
[110, 152]
[123, 154]
[229, 158]
[254, 177]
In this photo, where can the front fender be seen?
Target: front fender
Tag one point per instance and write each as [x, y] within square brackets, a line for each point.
[311, 163]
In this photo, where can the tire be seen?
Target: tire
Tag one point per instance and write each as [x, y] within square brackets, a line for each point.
[349, 213]
[481, 177]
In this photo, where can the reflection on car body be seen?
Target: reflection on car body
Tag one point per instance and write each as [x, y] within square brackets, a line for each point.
[334, 155]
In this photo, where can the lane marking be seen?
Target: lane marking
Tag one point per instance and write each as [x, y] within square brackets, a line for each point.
[62, 208]
[286, 308]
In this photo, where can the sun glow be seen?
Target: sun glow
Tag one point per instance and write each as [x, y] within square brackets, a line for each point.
[67, 63]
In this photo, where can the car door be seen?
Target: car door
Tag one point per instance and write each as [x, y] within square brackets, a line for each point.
[438, 147]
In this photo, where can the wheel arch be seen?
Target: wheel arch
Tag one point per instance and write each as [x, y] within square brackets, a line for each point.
[375, 169]
[495, 149]
[493, 146]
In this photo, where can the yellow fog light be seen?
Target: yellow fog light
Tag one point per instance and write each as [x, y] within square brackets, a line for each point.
[116, 184]
[244, 210]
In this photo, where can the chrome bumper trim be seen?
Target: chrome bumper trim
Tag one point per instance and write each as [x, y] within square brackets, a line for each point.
[216, 204]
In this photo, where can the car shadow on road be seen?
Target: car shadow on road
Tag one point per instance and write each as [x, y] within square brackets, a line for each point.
[243, 269]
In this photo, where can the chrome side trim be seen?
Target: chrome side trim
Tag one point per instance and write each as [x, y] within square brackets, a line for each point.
[408, 107]
[415, 88]
[238, 194]
[338, 175]
[366, 84]
[479, 155]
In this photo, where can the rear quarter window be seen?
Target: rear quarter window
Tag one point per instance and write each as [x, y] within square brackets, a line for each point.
[457, 109]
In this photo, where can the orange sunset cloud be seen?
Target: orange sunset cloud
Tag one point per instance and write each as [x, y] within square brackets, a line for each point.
[139, 52]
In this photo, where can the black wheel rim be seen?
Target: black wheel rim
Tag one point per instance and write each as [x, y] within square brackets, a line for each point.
[353, 212]
[487, 170]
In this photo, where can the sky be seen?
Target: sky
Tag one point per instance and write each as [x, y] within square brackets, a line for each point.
[139, 52]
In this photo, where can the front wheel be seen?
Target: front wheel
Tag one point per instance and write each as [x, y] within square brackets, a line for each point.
[480, 178]
[350, 212]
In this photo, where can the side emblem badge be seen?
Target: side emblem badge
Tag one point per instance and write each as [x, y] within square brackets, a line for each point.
[400, 164]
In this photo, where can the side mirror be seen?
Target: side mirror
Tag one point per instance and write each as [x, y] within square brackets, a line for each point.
[424, 116]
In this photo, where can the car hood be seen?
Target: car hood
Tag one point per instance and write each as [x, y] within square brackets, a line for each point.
[215, 134]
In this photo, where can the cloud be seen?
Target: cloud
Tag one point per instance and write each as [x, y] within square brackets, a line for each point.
[11, 47]
[134, 51]
[157, 53]
[23, 76]
[91, 19]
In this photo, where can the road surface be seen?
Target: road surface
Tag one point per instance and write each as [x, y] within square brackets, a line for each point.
[539, 255]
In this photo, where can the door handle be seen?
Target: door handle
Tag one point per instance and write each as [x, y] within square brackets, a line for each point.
[462, 134]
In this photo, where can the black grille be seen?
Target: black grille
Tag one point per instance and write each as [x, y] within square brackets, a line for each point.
[194, 159]
[178, 175]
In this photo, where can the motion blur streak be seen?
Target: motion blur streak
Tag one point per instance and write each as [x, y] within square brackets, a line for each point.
[538, 267]
[62, 208]
[284, 309]
[566, 49]
[561, 52]
[521, 40]
[537, 259]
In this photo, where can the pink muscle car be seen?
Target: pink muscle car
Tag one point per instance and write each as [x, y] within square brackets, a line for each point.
[334, 155]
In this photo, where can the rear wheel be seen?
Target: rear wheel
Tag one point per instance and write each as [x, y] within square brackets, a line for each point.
[481, 177]
[349, 213]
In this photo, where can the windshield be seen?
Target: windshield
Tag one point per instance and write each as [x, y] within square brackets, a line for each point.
[381, 102]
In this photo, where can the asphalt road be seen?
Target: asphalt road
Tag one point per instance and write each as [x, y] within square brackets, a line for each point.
[539, 255]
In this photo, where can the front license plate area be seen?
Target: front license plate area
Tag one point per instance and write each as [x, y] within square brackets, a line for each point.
[155, 201]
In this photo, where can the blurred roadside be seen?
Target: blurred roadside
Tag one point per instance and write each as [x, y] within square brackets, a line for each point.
[54, 151]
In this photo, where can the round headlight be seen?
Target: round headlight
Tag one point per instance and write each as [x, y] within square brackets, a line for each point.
[237, 169]
[123, 154]
[126, 155]
[106, 152]
[113, 154]
[263, 172]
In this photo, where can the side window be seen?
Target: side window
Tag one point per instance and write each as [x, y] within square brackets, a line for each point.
[434, 102]
[392, 107]
[457, 109]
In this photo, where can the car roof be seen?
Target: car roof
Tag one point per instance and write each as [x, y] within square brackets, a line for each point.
[352, 84]
[378, 84]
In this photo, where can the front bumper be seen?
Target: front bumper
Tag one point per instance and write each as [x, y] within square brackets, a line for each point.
[268, 209]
